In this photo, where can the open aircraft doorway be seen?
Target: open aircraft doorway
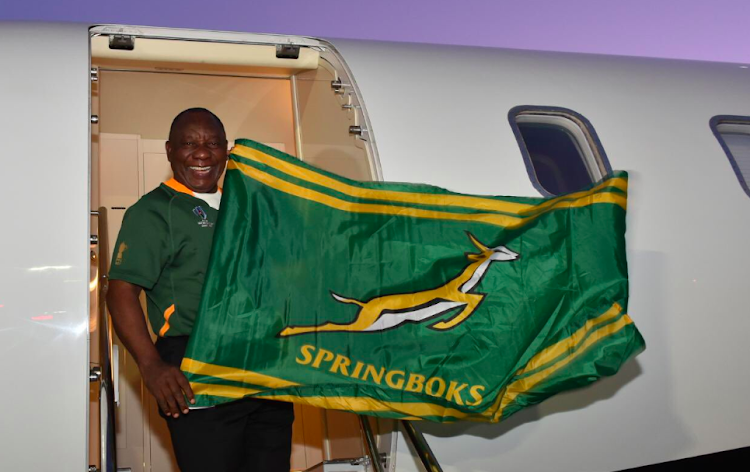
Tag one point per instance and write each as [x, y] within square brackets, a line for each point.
[294, 94]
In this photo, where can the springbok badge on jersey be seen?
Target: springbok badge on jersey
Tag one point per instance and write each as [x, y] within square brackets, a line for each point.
[405, 300]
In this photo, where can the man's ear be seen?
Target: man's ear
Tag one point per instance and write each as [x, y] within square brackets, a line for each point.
[168, 148]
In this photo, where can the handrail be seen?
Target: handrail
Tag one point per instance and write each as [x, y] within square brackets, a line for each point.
[372, 448]
[429, 461]
[108, 459]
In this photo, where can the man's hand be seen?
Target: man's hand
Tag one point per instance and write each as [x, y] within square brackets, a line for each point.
[169, 386]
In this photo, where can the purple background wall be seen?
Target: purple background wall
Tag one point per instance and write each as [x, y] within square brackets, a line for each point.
[716, 30]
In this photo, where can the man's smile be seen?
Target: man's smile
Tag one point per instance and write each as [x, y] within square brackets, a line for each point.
[201, 170]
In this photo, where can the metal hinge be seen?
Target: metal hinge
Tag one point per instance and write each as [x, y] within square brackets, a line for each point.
[122, 41]
[287, 51]
[339, 87]
[95, 373]
[358, 131]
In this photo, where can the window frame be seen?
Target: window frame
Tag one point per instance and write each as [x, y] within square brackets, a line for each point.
[714, 124]
[584, 135]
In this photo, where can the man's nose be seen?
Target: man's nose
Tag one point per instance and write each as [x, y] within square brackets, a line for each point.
[202, 152]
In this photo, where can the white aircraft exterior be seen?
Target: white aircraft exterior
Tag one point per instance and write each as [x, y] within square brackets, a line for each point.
[443, 115]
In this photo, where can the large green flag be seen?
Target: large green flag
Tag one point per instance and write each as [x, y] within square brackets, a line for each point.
[404, 300]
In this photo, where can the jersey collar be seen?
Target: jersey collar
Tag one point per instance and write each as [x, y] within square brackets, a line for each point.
[175, 185]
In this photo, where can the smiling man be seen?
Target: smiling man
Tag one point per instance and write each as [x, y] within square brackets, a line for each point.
[163, 249]
[197, 150]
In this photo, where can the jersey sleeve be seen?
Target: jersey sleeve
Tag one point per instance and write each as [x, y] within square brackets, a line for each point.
[143, 247]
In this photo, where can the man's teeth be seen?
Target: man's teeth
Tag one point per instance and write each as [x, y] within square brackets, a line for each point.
[200, 169]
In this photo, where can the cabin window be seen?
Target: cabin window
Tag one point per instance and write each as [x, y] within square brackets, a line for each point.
[733, 133]
[560, 148]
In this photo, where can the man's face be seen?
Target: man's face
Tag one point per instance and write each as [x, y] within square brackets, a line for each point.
[197, 151]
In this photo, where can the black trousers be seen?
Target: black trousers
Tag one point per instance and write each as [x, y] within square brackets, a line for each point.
[248, 435]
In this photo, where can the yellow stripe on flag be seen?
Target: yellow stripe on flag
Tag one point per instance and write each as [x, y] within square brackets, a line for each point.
[461, 201]
[352, 207]
[226, 391]
[527, 383]
[356, 404]
[568, 344]
[233, 374]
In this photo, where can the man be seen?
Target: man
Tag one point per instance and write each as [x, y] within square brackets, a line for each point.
[163, 248]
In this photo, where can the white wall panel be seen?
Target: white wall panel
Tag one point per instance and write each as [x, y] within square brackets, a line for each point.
[439, 116]
[44, 262]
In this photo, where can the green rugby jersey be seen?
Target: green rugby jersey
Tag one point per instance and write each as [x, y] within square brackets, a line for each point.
[163, 246]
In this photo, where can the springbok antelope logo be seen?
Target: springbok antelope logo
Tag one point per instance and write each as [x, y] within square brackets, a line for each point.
[389, 311]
